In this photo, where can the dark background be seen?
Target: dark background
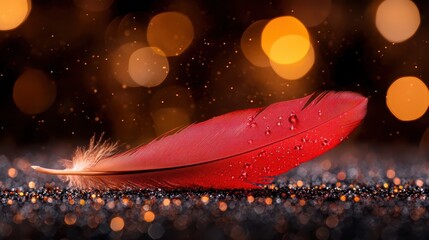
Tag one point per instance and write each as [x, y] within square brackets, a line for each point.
[70, 45]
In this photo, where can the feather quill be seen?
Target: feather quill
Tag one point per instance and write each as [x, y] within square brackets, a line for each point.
[241, 149]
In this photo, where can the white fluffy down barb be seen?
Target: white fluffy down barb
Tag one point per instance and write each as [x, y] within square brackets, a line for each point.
[82, 162]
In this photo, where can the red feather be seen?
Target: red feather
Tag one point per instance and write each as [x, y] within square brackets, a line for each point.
[241, 149]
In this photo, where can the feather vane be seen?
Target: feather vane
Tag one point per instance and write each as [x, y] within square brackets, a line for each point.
[241, 149]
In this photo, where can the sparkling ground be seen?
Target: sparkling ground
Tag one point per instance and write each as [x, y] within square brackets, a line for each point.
[350, 193]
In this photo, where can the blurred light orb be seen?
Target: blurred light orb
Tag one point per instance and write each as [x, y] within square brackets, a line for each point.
[148, 66]
[295, 70]
[70, 219]
[289, 49]
[119, 63]
[117, 224]
[149, 216]
[12, 172]
[13, 13]
[251, 44]
[94, 5]
[172, 32]
[34, 92]
[407, 98]
[311, 12]
[282, 27]
[397, 20]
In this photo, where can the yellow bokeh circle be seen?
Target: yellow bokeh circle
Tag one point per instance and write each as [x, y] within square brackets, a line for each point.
[148, 66]
[407, 98]
[295, 70]
[397, 20]
[283, 28]
[172, 32]
[13, 13]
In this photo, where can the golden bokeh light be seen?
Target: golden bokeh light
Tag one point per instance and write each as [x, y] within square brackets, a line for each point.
[223, 206]
[397, 20]
[205, 199]
[166, 202]
[12, 172]
[407, 98]
[295, 70]
[34, 92]
[117, 224]
[94, 5]
[31, 184]
[279, 28]
[119, 61]
[251, 44]
[13, 13]
[149, 216]
[311, 12]
[289, 49]
[172, 32]
[148, 67]
[70, 219]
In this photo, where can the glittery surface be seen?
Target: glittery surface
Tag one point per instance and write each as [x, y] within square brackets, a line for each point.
[351, 192]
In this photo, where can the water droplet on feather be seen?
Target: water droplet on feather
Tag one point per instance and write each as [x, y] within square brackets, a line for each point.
[293, 119]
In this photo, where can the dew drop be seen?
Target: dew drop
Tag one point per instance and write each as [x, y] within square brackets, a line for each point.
[253, 125]
[267, 132]
[325, 142]
[298, 147]
[262, 154]
[320, 112]
[293, 119]
[243, 175]
[250, 141]
[279, 124]
[292, 127]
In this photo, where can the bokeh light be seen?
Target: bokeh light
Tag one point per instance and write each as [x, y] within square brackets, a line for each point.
[311, 12]
[13, 13]
[94, 5]
[149, 216]
[117, 224]
[148, 67]
[407, 98]
[251, 44]
[397, 20]
[70, 219]
[172, 32]
[295, 70]
[289, 49]
[223, 206]
[34, 92]
[119, 62]
[279, 28]
[12, 172]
